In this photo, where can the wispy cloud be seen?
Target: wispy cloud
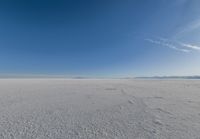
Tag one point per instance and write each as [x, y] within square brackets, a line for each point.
[176, 45]
[194, 25]
[169, 44]
[194, 47]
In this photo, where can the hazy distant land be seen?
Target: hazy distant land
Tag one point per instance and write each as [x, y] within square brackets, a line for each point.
[169, 77]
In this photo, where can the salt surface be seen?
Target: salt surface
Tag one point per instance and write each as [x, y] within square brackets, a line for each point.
[99, 109]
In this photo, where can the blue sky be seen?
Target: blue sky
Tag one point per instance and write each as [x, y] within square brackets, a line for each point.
[100, 38]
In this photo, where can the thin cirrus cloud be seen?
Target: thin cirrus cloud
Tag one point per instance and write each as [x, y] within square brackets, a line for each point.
[166, 43]
[190, 46]
[194, 25]
[176, 45]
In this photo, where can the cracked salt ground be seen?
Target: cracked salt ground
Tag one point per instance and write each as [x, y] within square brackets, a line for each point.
[100, 109]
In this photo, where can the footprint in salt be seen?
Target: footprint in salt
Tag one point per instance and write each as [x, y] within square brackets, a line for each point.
[130, 101]
[157, 122]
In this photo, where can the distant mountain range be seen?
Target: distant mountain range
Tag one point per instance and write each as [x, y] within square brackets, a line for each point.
[83, 77]
[170, 77]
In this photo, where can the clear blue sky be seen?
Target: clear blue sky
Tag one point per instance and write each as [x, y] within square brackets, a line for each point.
[100, 38]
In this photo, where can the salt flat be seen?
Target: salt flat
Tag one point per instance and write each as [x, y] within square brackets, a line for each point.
[99, 109]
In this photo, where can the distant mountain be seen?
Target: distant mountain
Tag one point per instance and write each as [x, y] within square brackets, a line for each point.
[170, 77]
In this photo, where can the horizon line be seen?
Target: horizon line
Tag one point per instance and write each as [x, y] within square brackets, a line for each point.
[54, 76]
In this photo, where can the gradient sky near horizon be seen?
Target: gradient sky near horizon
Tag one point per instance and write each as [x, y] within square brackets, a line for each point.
[108, 38]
